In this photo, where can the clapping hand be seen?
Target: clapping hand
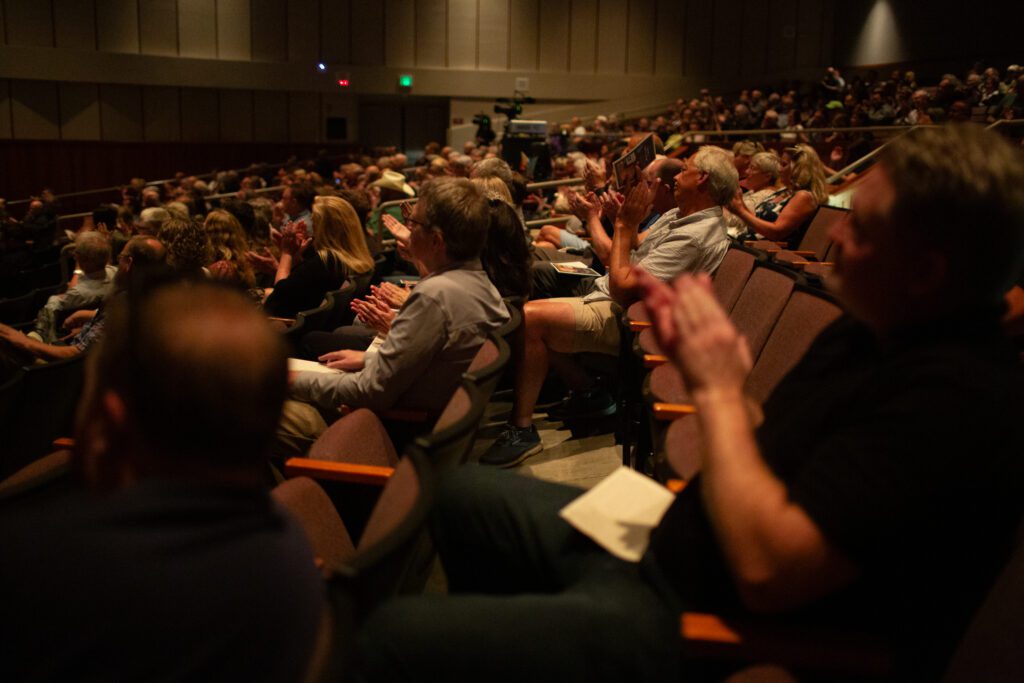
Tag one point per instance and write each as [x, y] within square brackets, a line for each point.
[375, 313]
[391, 294]
[294, 243]
[611, 202]
[582, 207]
[638, 204]
[265, 262]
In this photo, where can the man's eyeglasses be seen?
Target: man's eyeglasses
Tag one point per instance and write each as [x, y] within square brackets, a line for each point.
[408, 219]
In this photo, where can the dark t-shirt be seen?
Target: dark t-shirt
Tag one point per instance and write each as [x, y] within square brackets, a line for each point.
[306, 286]
[160, 581]
[908, 458]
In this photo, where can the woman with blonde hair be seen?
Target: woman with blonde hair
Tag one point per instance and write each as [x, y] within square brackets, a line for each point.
[229, 247]
[310, 267]
[785, 215]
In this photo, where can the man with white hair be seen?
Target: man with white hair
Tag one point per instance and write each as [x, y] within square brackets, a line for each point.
[688, 238]
[152, 219]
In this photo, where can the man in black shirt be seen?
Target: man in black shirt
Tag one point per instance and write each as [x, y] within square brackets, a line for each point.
[171, 562]
[886, 477]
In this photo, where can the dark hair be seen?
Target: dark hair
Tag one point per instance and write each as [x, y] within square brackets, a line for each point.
[243, 211]
[303, 195]
[201, 372]
[506, 256]
[955, 184]
[106, 214]
[360, 203]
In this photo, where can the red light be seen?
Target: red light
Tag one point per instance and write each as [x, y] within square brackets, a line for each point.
[343, 82]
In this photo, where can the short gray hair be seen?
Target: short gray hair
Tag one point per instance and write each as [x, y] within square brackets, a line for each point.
[92, 251]
[153, 218]
[766, 162]
[458, 208]
[493, 167]
[723, 179]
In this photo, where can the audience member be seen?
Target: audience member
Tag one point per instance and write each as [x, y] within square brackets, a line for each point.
[171, 561]
[688, 238]
[777, 520]
[92, 281]
[433, 338]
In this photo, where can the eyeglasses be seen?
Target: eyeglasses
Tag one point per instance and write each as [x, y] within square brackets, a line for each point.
[407, 218]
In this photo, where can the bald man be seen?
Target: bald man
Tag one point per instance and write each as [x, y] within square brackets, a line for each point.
[170, 560]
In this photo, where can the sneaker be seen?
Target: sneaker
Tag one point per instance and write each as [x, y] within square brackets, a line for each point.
[513, 446]
[590, 403]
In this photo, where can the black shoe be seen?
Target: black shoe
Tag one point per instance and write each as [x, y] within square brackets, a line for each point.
[513, 446]
[590, 403]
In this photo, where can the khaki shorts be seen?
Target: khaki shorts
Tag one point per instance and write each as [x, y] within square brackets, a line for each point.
[597, 325]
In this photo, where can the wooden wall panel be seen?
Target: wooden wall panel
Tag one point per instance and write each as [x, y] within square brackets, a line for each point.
[753, 37]
[234, 30]
[554, 36]
[158, 27]
[117, 26]
[161, 114]
[782, 35]
[611, 36]
[808, 34]
[200, 115]
[697, 47]
[29, 23]
[75, 24]
[121, 112]
[493, 35]
[5, 109]
[400, 33]
[304, 117]
[34, 110]
[334, 31]
[523, 31]
[270, 116]
[641, 37]
[725, 55]
[236, 115]
[431, 30]
[303, 31]
[462, 34]
[269, 31]
[583, 38]
[367, 32]
[197, 28]
[79, 111]
[668, 43]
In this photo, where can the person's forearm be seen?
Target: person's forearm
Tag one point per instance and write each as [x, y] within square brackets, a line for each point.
[620, 273]
[769, 543]
[772, 231]
[600, 242]
[284, 267]
[43, 351]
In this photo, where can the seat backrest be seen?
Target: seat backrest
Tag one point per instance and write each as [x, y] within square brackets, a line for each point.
[44, 411]
[452, 438]
[488, 365]
[760, 303]
[806, 314]
[732, 274]
[816, 238]
[990, 650]
[359, 438]
[312, 508]
[341, 303]
[394, 553]
[18, 309]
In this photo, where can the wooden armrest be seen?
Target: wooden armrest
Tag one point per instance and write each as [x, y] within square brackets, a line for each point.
[848, 653]
[671, 411]
[63, 443]
[638, 325]
[765, 245]
[287, 321]
[803, 252]
[653, 360]
[675, 485]
[325, 470]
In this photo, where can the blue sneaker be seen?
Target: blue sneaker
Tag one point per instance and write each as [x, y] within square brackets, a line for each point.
[513, 446]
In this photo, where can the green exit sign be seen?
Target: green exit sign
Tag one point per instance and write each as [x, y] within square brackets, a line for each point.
[405, 80]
